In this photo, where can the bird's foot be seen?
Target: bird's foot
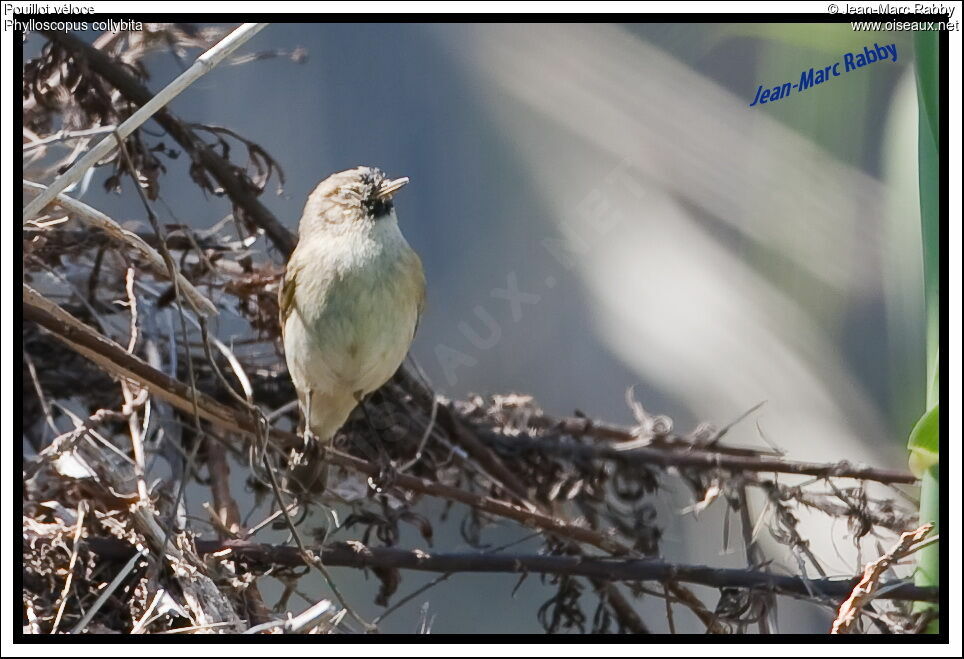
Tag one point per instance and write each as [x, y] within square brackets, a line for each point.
[309, 441]
[386, 475]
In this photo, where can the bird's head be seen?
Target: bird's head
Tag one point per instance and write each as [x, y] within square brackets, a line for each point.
[351, 199]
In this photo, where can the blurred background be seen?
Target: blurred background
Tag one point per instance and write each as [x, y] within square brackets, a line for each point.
[597, 208]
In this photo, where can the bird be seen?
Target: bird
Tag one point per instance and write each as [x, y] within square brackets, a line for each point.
[350, 300]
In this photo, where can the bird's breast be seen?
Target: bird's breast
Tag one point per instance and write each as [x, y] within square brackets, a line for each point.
[356, 311]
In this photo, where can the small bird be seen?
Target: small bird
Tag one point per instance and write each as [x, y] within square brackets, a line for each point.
[350, 300]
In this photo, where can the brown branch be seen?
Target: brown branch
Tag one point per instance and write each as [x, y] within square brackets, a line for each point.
[110, 356]
[527, 517]
[225, 507]
[461, 435]
[664, 449]
[115, 360]
[65, 442]
[704, 460]
[602, 430]
[481, 435]
[887, 517]
[229, 517]
[64, 239]
[119, 362]
[485, 457]
[687, 597]
[358, 555]
[239, 189]
[241, 194]
[581, 426]
[620, 606]
[449, 419]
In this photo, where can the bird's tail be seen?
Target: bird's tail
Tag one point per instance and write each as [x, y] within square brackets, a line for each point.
[324, 414]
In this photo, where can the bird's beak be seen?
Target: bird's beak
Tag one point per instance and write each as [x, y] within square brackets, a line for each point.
[389, 187]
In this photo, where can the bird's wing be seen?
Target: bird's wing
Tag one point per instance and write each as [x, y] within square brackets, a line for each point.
[286, 294]
[420, 290]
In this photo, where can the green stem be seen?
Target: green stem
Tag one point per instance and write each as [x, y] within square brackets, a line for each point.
[925, 440]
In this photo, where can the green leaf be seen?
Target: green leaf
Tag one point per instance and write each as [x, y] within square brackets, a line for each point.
[924, 442]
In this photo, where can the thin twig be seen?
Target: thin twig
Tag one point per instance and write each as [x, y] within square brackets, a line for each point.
[62, 135]
[868, 585]
[754, 555]
[229, 517]
[429, 427]
[172, 274]
[708, 460]
[307, 619]
[145, 619]
[202, 65]
[358, 555]
[400, 603]
[306, 555]
[107, 592]
[670, 619]
[113, 358]
[241, 192]
[137, 446]
[79, 530]
[93, 217]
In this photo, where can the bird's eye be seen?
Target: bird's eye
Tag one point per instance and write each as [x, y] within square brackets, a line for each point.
[377, 206]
